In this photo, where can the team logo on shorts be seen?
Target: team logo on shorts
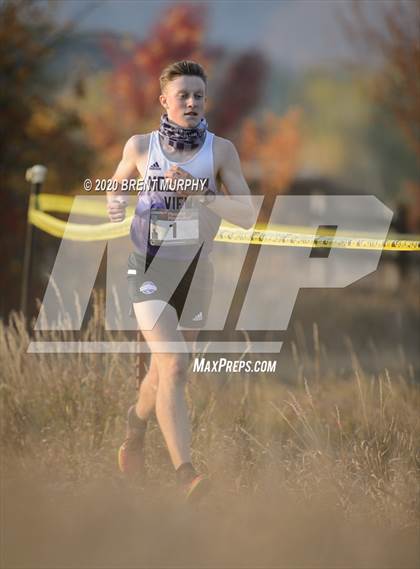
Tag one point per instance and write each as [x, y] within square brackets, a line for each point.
[148, 287]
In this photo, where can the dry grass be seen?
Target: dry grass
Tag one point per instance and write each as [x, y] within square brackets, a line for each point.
[321, 473]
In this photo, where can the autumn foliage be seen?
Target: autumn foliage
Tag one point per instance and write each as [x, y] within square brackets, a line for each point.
[238, 92]
[78, 129]
[35, 128]
[269, 149]
[132, 87]
[397, 84]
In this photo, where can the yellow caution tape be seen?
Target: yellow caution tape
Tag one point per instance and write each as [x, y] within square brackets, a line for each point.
[281, 236]
[65, 204]
[287, 239]
[78, 231]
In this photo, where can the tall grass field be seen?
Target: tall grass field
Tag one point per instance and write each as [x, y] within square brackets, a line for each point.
[315, 466]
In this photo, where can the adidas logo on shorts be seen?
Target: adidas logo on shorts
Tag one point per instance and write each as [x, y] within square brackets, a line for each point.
[154, 166]
[198, 317]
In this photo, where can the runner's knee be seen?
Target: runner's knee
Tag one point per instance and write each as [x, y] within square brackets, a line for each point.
[173, 367]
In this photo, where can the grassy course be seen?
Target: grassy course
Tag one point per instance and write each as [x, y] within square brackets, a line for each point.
[320, 472]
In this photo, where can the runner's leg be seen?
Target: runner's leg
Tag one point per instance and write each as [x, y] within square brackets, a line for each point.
[147, 391]
[146, 401]
[171, 406]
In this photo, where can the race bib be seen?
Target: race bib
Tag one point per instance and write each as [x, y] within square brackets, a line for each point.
[173, 227]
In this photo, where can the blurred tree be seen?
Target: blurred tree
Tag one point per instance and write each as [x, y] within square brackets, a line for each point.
[238, 92]
[397, 84]
[396, 40]
[270, 151]
[126, 99]
[335, 130]
[122, 97]
[35, 128]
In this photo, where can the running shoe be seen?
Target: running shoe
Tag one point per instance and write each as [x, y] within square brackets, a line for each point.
[197, 488]
[131, 452]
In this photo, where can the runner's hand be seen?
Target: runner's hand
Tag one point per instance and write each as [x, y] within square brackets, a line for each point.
[177, 173]
[116, 209]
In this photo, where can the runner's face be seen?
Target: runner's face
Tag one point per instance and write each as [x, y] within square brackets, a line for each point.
[184, 100]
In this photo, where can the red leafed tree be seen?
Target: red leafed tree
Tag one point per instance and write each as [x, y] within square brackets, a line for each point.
[178, 35]
[270, 150]
[132, 88]
[239, 92]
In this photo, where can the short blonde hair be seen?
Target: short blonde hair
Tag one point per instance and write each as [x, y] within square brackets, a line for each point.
[180, 68]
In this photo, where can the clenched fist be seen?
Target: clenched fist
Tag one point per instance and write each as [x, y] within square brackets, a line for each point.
[177, 173]
[116, 209]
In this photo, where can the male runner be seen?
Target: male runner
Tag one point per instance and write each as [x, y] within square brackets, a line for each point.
[181, 149]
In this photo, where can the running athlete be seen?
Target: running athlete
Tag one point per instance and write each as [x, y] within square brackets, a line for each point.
[181, 149]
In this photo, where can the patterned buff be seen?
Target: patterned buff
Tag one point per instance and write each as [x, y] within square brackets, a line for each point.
[179, 137]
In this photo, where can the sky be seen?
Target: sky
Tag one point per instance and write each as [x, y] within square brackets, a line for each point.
[293, 33]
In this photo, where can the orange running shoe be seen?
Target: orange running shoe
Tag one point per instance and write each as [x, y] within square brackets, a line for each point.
[197, 488]
[131, 452]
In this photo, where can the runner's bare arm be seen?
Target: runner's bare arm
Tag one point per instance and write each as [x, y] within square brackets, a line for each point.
[239, 208]
[126, 169]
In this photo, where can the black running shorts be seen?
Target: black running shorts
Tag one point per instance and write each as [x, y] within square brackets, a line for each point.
[152, 286]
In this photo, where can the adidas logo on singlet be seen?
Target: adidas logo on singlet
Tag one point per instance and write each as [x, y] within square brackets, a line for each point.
[198, 317]
[155, 166]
